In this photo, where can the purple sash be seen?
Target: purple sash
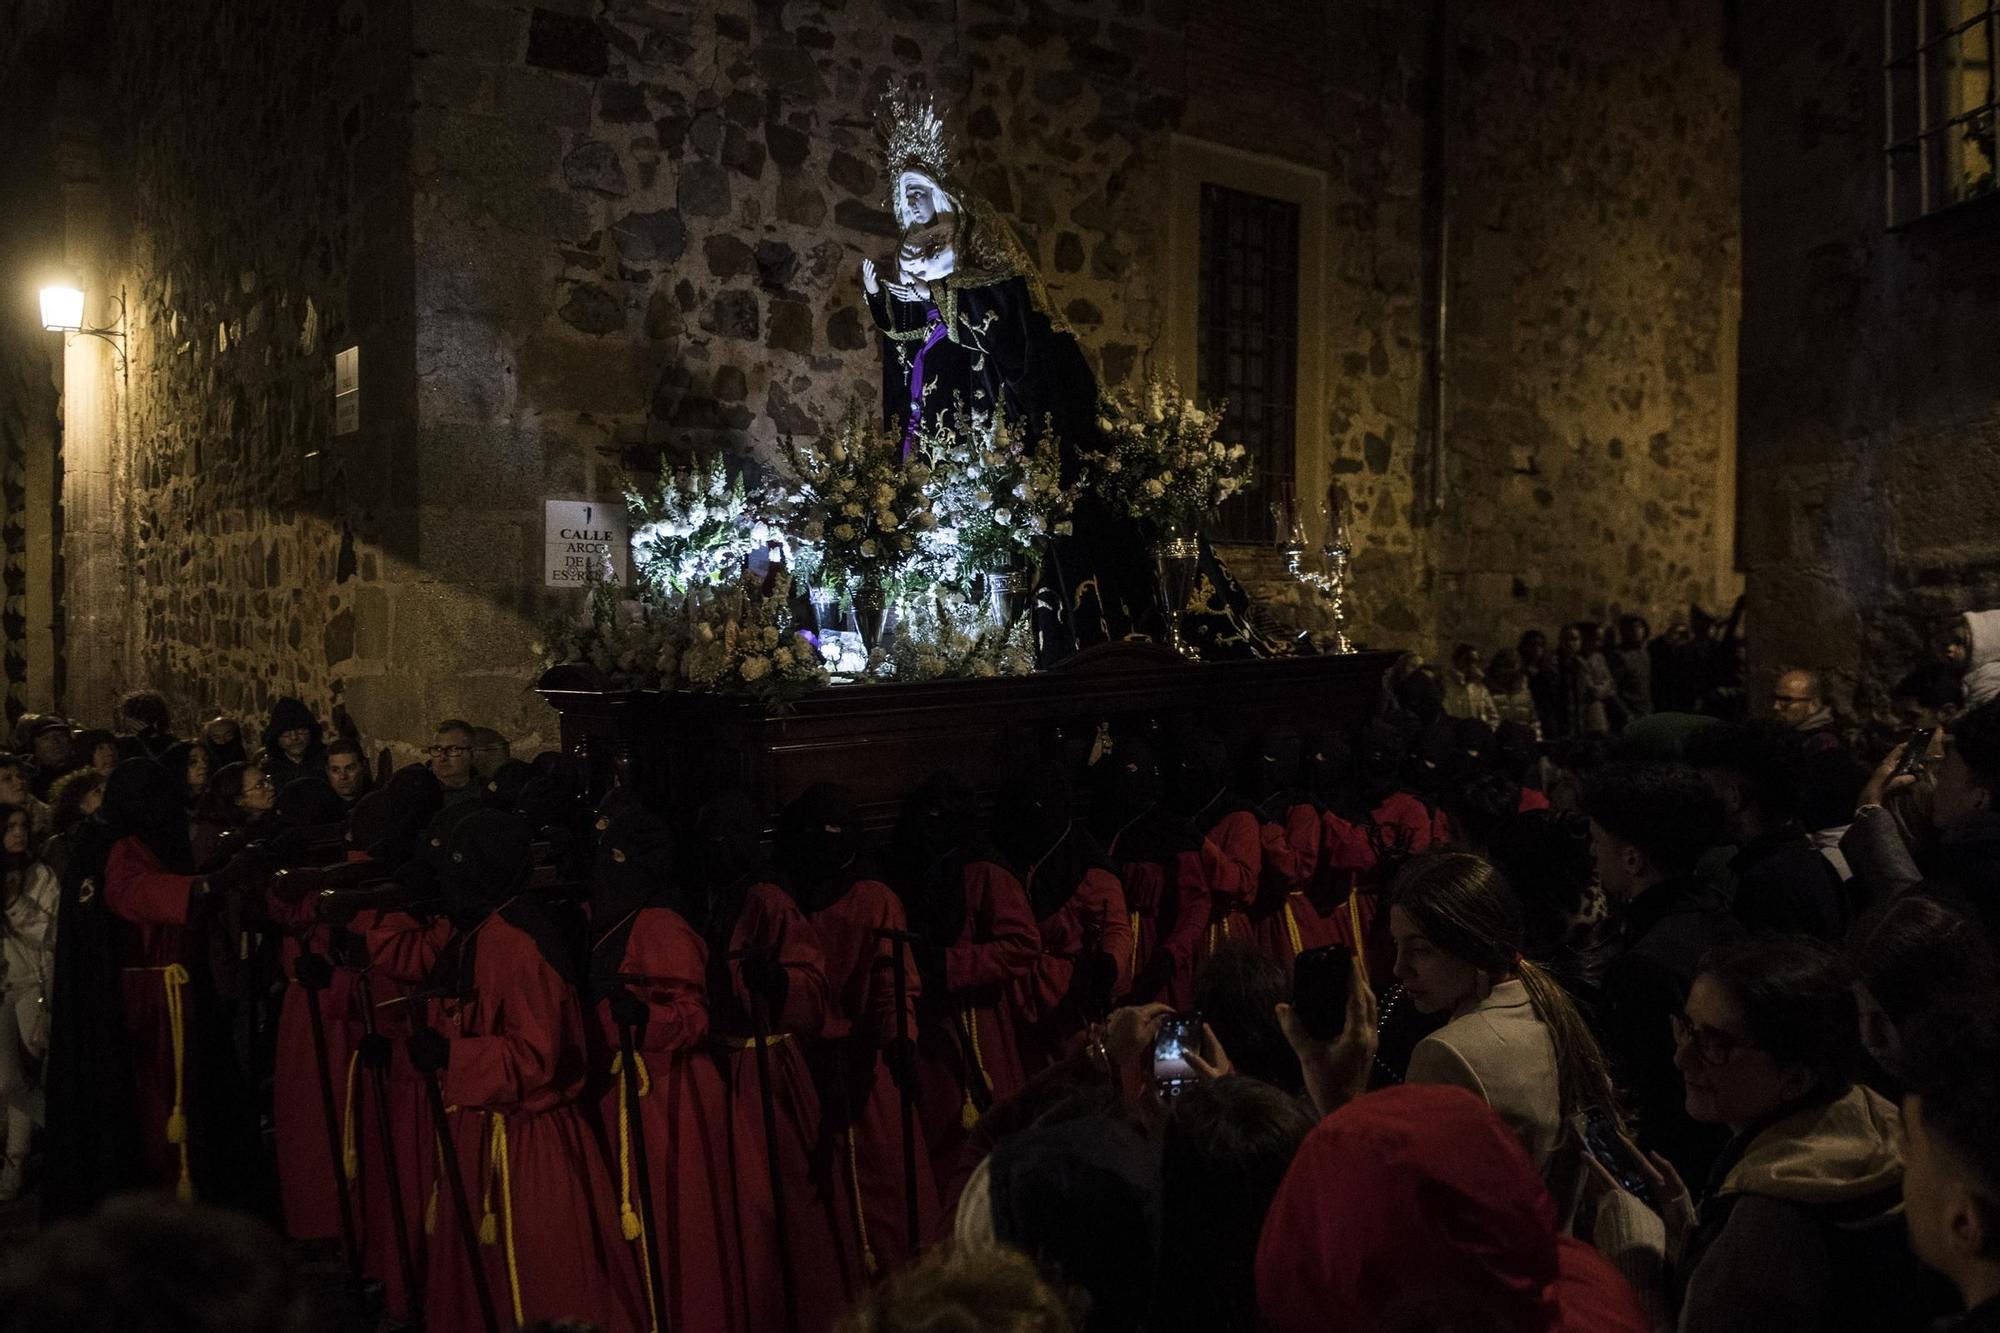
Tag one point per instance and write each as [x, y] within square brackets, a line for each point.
[936, 324]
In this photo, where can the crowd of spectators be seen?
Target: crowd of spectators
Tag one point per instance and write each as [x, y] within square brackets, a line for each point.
[1642, 1015]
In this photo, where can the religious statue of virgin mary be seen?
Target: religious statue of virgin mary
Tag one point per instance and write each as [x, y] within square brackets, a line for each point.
[965, 319]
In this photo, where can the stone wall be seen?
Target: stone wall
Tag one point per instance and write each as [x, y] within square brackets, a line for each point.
[571, 235]
[1870, 405]
[1590, 432]
[254, 218]
[638, 232]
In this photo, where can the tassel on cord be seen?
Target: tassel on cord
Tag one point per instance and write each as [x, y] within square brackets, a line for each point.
[1354, 921]
[630, 1224]
[968, 1115]
[861, 1214]
[504, 1172]
[489, 1220]
[350, 1156]
[1292, 929]
[1135, 944]
[175, 977]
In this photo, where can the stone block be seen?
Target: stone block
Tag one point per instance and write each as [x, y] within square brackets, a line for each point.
[562, 372]
[652, 237]
[703, 190]
[732, 315]
[540, 97]
[591, 309]
[465, 371]
[791, 327]
[571, 43]
[467, 31]
[594, 165]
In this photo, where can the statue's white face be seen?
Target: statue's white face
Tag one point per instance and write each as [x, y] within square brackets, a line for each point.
[919, 197]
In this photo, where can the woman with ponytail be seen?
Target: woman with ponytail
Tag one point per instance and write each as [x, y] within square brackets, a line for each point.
[1516, 1039]
[1514, 1036]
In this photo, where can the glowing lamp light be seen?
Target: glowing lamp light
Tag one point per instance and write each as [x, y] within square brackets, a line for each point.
[62, 309]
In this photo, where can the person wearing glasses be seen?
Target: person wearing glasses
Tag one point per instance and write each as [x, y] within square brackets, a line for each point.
[451, 761]
[237, 796]
[1800, 1226]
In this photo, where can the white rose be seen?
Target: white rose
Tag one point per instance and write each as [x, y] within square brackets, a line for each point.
[755, 668]
[837, 452]
[927, 520]
[1167, 477]
[705, 632]
[813, 530]
[884, 493]
[868, 548]
[783, 657]
[846, 485]
[1003, 517]
[851, 509]
[1112, 464]
[843, 532]
[886, 521]
[1155, 489]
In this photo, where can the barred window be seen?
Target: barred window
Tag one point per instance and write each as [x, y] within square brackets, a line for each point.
[1248, 342]
[1939, 79]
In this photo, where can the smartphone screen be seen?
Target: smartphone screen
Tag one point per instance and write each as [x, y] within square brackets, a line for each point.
[1321, 979]
[1178, 1035]
[1601, 1140]
[1916, 753]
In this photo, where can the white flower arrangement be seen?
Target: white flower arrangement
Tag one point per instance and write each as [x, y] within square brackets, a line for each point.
[946, 635]
[732, 643]
[694, 527]
[1162, 461]
[1000, 495]
[853, 509]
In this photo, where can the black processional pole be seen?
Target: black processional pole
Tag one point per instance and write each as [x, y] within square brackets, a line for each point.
[375, 1055]
[460, 1207]
[760, 1037]
[906, 1085]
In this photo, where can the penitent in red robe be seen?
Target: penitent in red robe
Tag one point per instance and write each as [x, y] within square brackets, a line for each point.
[969, 1050]
[162, 1011]
[1094, 919]
[1300, 908]
[1166, 894]
[401, 951]
[1233, 856]
[530, 1160]
[684, 1118]
[825, 1251]
[861, 971]
[306, 1182]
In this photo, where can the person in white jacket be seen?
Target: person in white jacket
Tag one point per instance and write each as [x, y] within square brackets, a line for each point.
[1981, 645]
[28, 897]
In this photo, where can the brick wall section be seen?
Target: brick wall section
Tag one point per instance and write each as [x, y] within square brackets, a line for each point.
[1871, 410]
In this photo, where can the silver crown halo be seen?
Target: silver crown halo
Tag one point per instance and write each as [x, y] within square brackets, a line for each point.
[915, 137]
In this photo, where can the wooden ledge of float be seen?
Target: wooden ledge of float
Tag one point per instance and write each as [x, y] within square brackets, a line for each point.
[881, 739]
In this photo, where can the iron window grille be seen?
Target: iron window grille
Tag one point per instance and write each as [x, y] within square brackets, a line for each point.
[1247, 331]
[1941, 123]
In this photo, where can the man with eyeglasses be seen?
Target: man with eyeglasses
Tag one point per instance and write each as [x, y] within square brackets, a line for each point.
[451, 761]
